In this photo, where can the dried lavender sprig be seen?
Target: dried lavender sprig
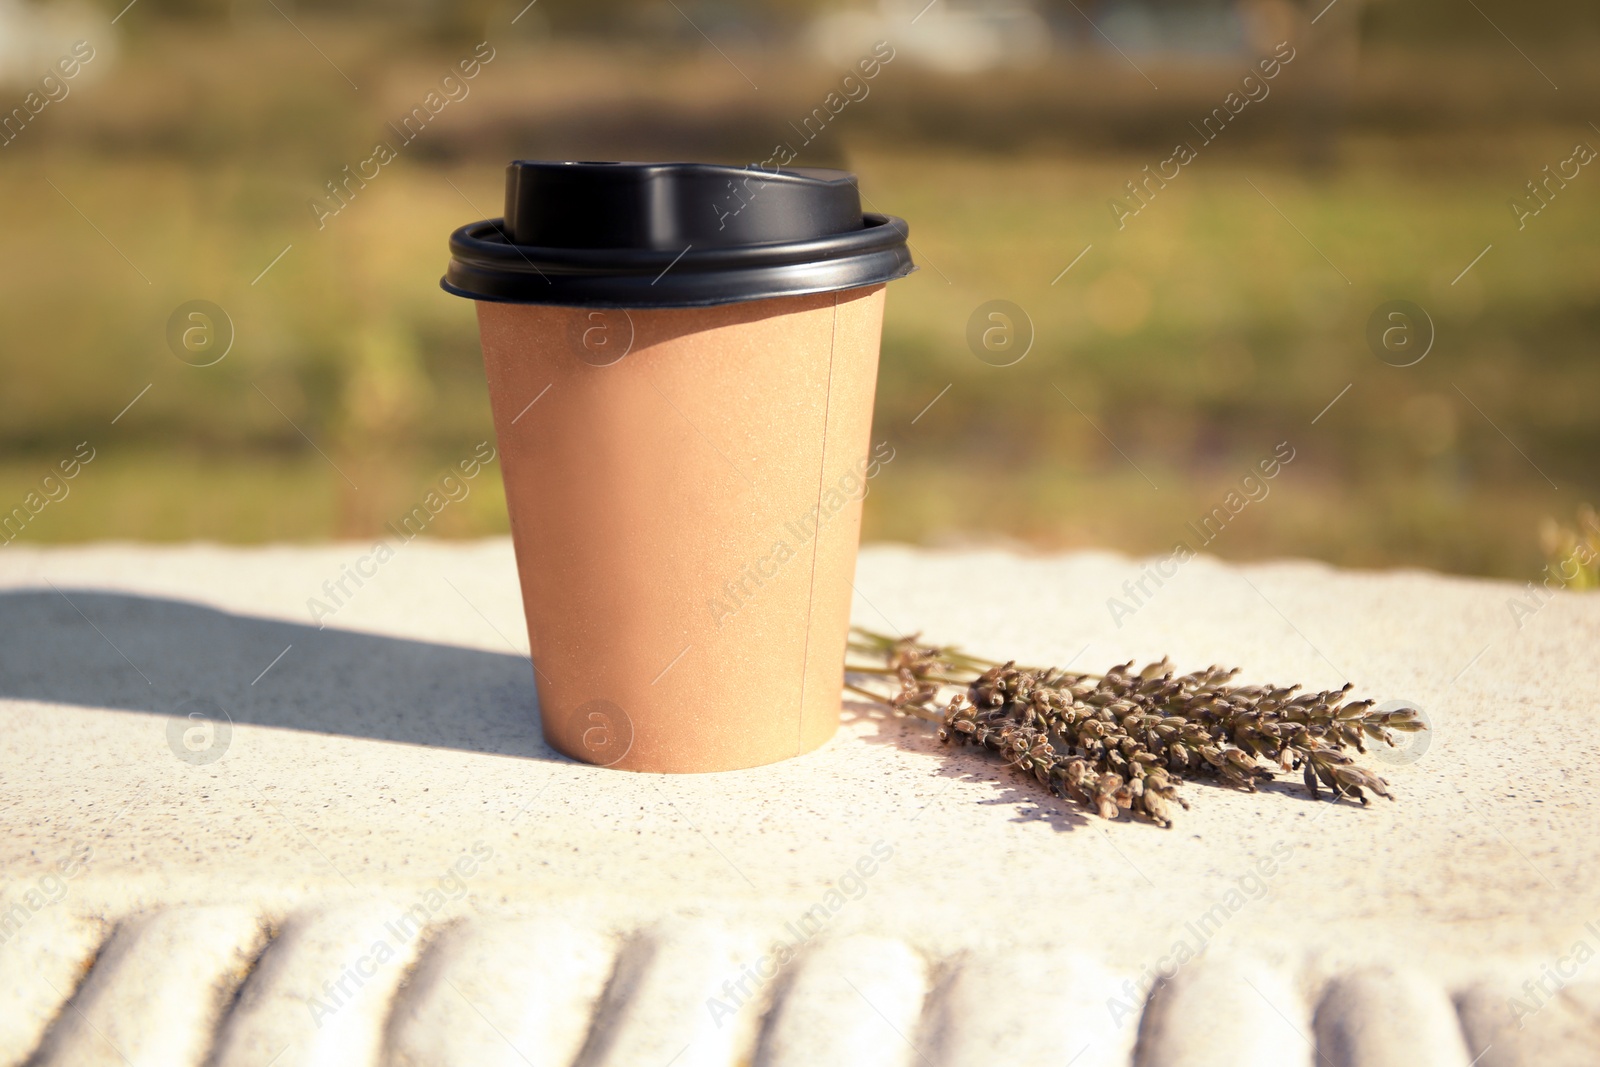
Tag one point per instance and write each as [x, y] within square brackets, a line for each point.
[1124, 739]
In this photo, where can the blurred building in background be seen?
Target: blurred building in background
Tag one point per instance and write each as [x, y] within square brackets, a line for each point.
[961, 37]
[34, 36]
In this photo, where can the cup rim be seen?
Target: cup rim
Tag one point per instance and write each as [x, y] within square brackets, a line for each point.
[486, 265]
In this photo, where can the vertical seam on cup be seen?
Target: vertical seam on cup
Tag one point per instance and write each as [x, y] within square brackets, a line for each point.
[816, 538]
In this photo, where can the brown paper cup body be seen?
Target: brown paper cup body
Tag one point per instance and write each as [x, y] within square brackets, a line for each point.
[685, 492]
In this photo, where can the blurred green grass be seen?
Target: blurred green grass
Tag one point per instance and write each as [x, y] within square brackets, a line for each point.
[1190, 344]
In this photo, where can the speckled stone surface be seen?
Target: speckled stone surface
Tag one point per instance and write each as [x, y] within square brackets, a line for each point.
[373, 858]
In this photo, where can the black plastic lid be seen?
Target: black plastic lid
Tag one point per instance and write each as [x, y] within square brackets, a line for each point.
[673, 235]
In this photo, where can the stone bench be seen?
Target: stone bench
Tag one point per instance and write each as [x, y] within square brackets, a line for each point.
[360, 851]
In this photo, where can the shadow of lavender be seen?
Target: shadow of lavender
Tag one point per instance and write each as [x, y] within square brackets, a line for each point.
[965, 763]
[1032, 801]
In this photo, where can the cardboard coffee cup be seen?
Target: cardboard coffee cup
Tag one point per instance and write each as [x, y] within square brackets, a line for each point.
[681, 362]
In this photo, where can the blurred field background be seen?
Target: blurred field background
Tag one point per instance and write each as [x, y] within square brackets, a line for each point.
[1172, 356]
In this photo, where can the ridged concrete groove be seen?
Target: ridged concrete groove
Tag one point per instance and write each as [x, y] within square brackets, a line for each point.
[1025, 1007]
[853, 1000]
[1388, 1018]
[321, 992]
[357, 984]
[1225, 1012]
[1516, 1023]
[500, 994]
[656, 1004]
[154, 995]
[42, 961]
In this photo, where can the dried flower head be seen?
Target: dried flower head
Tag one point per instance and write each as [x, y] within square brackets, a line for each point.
[1123, 740]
